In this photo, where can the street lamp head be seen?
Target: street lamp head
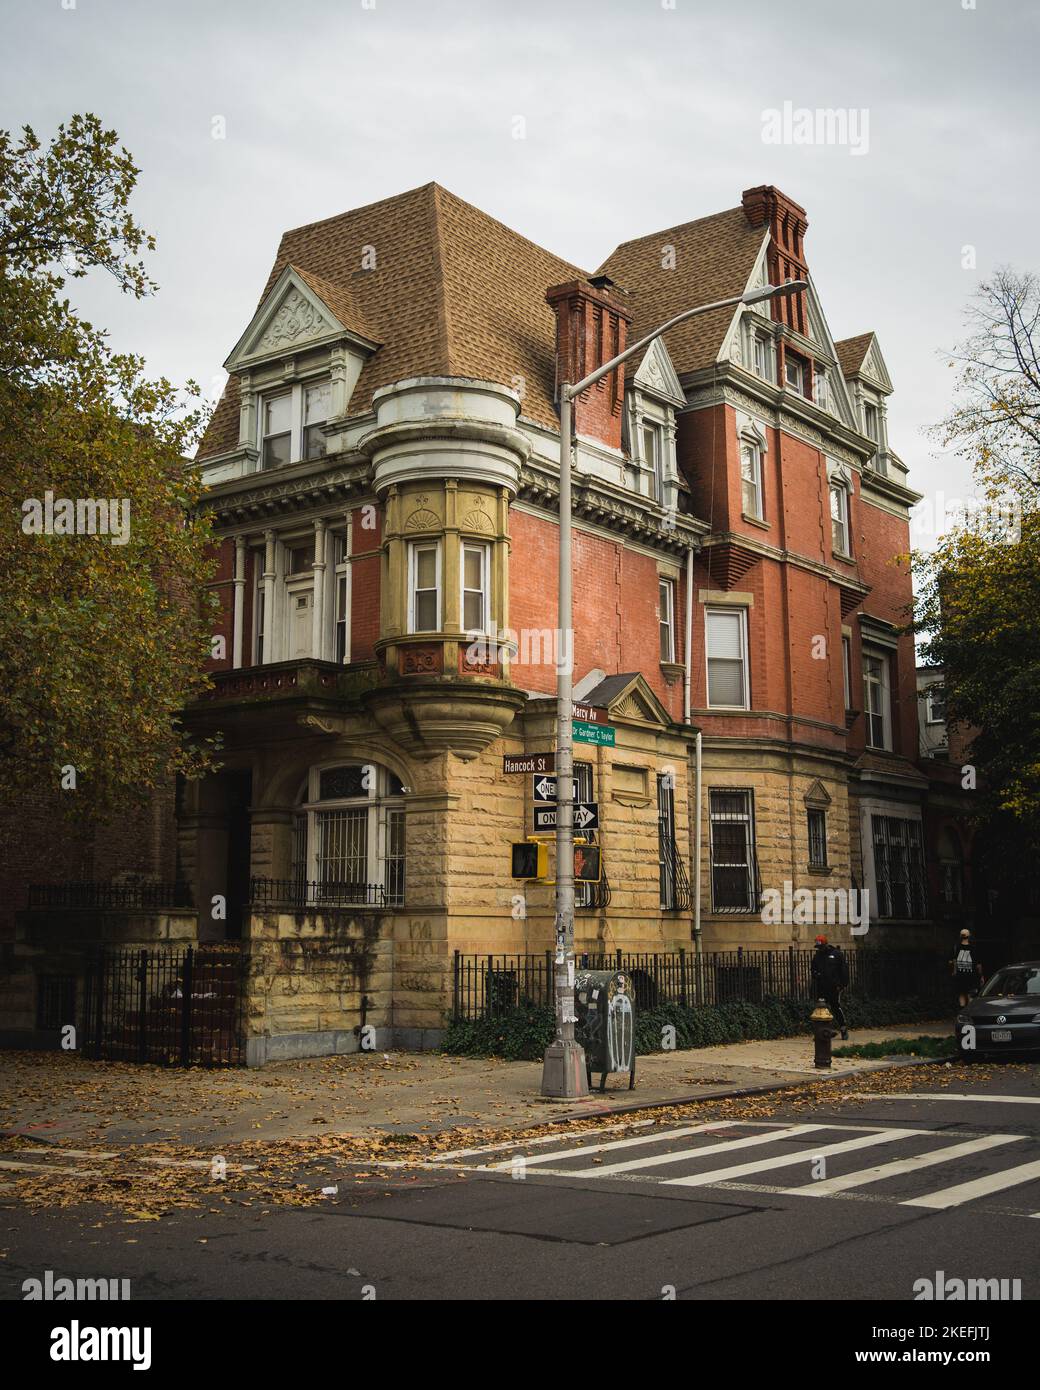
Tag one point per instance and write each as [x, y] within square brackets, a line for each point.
[771, 291]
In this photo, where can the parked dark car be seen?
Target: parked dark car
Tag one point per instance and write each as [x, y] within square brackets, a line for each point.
[1005, 1016]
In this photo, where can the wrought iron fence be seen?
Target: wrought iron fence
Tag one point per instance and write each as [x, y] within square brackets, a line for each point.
[304, 893]
[102, 896]
[169, 1006]
[487, 986]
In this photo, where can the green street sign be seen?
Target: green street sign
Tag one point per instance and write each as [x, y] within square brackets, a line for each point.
[601, 734]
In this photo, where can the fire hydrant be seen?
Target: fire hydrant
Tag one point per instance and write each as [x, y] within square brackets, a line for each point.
[822, 1021]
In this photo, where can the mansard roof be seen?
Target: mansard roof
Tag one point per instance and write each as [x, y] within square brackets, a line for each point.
[452, 292]
[693, 263]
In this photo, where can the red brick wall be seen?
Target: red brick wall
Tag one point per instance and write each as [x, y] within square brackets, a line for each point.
[364, 579]
[615, 606]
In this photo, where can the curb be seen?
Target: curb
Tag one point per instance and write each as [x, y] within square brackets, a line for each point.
[737, 1092]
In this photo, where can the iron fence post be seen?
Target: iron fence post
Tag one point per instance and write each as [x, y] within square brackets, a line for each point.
[142, 1012]
[186, 991]
[99, 1013]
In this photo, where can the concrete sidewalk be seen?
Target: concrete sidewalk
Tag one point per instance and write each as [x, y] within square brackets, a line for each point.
[64, 1098]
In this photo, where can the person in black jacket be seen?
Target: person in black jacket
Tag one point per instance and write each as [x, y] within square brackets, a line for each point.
[966, 970]
[830, 975]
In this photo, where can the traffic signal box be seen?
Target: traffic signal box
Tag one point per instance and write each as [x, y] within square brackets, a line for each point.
[531, 861]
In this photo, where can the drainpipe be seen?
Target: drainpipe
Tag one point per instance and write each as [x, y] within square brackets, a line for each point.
[695, 827]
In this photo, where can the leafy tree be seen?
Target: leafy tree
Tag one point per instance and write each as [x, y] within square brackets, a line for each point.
[979, 591]
[101, 642]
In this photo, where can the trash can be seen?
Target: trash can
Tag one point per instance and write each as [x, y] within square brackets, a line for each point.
[606, 1026]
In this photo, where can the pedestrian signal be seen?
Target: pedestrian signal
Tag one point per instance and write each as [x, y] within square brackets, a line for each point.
[530, 860]
[588, 865]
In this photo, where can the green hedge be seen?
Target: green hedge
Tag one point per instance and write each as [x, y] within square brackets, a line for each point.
[525, 1033]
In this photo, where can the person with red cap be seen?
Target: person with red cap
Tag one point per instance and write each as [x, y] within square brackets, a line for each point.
[830, 975]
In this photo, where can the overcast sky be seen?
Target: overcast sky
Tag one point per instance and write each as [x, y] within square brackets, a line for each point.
[637, 115]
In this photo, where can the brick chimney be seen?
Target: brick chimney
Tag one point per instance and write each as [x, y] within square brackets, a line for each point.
[767, 207]
[591, 324]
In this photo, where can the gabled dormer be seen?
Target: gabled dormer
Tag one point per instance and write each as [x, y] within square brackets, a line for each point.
[652, 396]
[870, 386]
[297, 365]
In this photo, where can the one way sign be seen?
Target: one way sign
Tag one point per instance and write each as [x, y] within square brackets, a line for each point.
[586, 816]
[545, 787]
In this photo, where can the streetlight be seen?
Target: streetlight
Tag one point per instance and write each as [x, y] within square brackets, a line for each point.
[563, 1068]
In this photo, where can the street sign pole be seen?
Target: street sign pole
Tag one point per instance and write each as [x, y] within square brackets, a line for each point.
[563, 1068]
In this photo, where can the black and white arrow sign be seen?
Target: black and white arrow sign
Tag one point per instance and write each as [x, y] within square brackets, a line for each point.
[586, 816]
[545, 787]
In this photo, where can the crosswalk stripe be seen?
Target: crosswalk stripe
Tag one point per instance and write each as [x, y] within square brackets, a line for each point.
[540, 1139]
[978, 1187]
[898, 1166]
[887, 1136]
[654, 1160]
[198, 1163]
[616, 1144]
[946, 1095]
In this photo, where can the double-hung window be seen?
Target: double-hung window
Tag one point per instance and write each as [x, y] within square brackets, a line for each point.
[935, 705]
[666, 618]
[876, 700]
[276, 433]
[292, 423]
[795, 372]
[840, 544]
[341, 598]
[751, 478]
[652, 458]
[734, 876]
[424, 586]
[348, 845]
[726, 647]
[846, 669]
[822, 389]
[474, 587]
[762, 355]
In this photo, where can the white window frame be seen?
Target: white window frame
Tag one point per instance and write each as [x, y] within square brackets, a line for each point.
[822, 389]
[868, 407]
[930, 716]
[741, 614]
[794, 359]
[379, 802]
[341, 569]
[413, 550]
[882, 684]
[484, 550]
[666, 617]
[759, 340]
[655, 465]
[297, 394]
[837, 489]
[754, 447]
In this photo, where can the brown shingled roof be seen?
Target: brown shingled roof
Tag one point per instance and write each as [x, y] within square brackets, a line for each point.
[453, 293]
[714, 258]
[852, 353]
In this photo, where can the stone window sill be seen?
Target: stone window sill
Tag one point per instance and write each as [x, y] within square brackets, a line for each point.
[755, 521]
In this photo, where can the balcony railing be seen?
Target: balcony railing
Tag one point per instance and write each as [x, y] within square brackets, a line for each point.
[300, 893]
[109, 896]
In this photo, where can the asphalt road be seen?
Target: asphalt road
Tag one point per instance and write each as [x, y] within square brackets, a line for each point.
[859, 1202]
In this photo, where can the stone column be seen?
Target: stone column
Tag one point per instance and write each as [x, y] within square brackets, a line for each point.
[239, 609]
[270, 654]
[318, 601]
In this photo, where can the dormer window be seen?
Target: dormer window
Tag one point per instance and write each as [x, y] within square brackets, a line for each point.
[292, 423]
[822, 389]
[277, 430]
[872, 422]
[762, 355]
[652, 457]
